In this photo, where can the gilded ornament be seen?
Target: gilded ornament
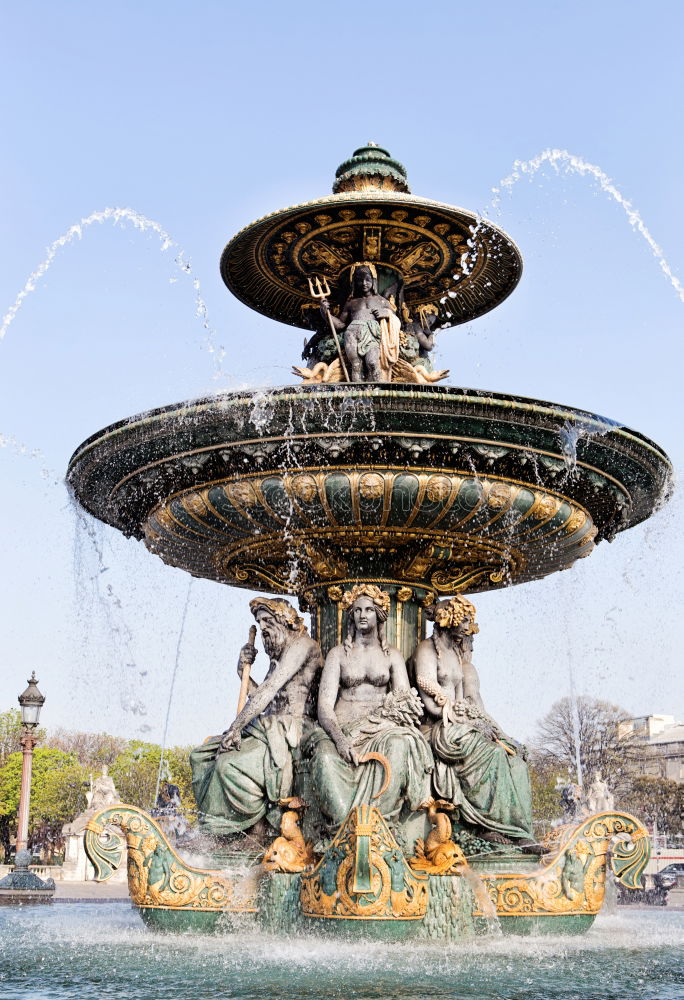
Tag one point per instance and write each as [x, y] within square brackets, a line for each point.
[571, 879]
[438, 854]
[194, 503]
[457, 611]
[575, 521]
[364, 875]
[290, 852]
[157, 877]
[545, 507]
[404, 594]
[438, 488]
[371, 590]
[371, 486]
[499, 496]
[243, 493]
[304, 488]
[335, 594]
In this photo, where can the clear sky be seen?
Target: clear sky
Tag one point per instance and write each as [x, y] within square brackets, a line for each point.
[205, 116]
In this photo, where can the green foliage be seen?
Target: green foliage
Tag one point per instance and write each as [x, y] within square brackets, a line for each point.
[10, 733]
[135, 773]
[657, 801]
[544, 775]
[57, 794]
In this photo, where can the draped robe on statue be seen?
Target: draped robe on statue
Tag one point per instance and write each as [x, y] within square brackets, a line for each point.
[490, 786]
[236, 789]
[339, 786]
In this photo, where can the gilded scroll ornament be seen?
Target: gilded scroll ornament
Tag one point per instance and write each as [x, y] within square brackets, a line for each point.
[572, 878]
[157, 876]
[364, 875]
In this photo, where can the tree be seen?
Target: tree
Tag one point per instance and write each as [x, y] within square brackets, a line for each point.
[58, 786]
[659, 802]
[545, 773]
[135, 774]
[596, 730]
[10, 733]
[91, 749]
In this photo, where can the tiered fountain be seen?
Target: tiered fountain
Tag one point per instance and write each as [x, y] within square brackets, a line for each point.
[370, 485]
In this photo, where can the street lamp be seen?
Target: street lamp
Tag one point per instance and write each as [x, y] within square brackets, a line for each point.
[31, 702]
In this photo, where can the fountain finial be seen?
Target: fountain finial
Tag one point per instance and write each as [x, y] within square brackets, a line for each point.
[371, 168]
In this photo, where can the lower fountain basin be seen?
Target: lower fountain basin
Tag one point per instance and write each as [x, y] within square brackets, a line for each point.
[429, 487]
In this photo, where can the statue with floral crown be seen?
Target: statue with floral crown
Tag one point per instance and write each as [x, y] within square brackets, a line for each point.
[478, 768]
[368, 747]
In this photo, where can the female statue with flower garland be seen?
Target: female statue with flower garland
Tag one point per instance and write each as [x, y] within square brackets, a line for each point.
[365, 708]
[482, 771]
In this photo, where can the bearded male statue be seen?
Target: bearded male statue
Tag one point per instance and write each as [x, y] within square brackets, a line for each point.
[239, 777]
[479, 769]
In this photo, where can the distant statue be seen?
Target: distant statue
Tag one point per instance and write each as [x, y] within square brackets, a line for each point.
[370, 327]
[477, 768]
[104, 791]
[599, 796]
[240, 776]
[368, 748]
[101, 794]
[572, 803]
[169, 813]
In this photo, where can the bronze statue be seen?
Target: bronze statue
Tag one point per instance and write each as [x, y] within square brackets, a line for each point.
[477, 768]
[418, 337]
[370, 327]
[239, 777]
[367, 711]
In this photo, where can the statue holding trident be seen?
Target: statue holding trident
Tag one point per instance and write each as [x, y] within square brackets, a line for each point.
[370, 327]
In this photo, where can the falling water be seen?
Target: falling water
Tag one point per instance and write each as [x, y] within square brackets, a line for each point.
[88, 536]
[561, 159]
[176, 661]
[19, 448]
[142, 223]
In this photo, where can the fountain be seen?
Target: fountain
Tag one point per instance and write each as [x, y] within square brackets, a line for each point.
[363, 787]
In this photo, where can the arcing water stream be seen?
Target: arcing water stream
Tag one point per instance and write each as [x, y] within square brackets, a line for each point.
[143, 224]
[561, 159]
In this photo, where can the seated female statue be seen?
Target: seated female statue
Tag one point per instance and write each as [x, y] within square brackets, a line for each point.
[366, 706]
[482, 771]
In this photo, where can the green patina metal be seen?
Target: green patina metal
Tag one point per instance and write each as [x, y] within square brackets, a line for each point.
[417, 492]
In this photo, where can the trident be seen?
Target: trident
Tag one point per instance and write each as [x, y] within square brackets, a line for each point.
[321, 290]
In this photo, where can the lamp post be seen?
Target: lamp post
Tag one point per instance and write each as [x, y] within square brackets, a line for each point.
[31, 702]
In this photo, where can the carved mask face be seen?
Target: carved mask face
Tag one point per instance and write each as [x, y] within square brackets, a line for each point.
[364, 614]
[272, 633]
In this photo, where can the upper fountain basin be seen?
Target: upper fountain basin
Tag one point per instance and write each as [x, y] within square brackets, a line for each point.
[430, 487]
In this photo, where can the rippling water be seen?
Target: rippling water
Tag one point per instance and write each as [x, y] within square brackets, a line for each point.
[93, 951]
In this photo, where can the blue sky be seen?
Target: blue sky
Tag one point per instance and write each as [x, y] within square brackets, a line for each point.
[203, 117]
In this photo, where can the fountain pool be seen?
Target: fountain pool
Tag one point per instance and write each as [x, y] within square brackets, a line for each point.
[64, 952]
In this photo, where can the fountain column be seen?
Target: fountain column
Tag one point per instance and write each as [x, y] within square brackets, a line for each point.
[405, 625]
